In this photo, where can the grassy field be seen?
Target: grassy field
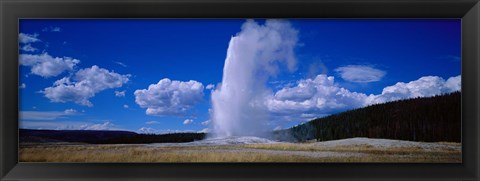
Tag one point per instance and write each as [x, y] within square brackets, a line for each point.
[280, 152]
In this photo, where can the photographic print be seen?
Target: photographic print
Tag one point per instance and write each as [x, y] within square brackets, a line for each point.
[240, 90]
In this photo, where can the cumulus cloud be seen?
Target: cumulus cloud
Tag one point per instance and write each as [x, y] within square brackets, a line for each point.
[320, 94]
[169, 97]
[312, 98]
[22, 86]
[187, 121]
[28, 48]
[46, 115]
[360, 73]
[453, 84]
[28, 38]
[120, 93]
[210, 86]
[125, 106]
[83, 85]
[423, 87]
[47, 66]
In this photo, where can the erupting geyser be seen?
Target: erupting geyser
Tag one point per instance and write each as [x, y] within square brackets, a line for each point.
[253, 55]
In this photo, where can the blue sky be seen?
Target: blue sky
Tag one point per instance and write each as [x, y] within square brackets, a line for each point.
[102, 63]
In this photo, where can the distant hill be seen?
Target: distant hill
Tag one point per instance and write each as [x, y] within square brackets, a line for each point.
[428, 119]
[103, 137]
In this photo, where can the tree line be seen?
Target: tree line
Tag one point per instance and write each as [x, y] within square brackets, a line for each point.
[430, 119]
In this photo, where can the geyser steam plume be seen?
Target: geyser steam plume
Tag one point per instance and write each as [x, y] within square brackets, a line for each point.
[254, 54]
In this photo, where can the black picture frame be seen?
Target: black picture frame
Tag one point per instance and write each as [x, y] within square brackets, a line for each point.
[12, 10]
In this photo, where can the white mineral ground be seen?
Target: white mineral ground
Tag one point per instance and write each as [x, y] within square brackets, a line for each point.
[388, 143]
[233, 144]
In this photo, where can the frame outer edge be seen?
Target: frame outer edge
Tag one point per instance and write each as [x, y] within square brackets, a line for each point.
[4, 168]
[8, 90]
[2, 156]
[470, 88]
[476, 18]
[472, 166]
[477, 9]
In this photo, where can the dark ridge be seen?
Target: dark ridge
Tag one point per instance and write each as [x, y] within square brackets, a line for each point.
[103, 137]
[430, 119]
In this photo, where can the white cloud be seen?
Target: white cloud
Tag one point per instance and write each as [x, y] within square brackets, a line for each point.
[360, 73]
[148, 130]
[22, 86]
[152, 122]
[101, 126]
[187, 121]
[84, 85]
[120, 63]
[423, 87]
[52, 29]
[46, 115]
[47, 66]
[70, 111]
[169, 97]
[56, 29]
[28, 48]
[207, 122]
[69, 125]
[210, 86]
[453, 84]
[125, 106]
[28, 38]
[320, 94]
[120, 93]
[312, 98]
[310, 116]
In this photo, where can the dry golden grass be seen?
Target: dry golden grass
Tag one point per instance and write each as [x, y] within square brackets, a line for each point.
[229, 153]
[123, 153]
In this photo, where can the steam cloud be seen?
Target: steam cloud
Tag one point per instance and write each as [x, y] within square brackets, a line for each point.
[253, 55]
